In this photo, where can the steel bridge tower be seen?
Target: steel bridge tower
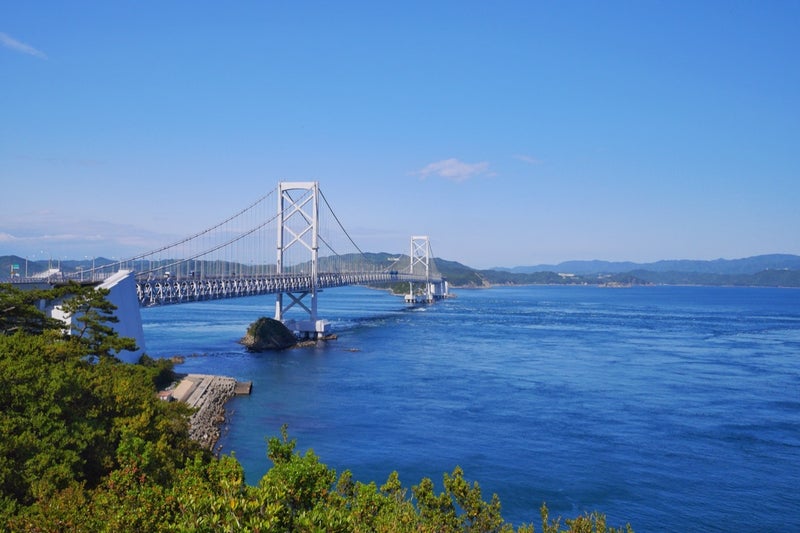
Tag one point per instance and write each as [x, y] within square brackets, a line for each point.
[298, 227]
[420, 259]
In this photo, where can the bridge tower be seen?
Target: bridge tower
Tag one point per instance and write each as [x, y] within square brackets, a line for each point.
[420, 262]
[298, 227]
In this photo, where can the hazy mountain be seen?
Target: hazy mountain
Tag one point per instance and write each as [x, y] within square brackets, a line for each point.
[748, 265]
[776, 270]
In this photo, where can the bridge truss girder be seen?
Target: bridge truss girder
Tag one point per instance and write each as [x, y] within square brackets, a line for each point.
[152, 292]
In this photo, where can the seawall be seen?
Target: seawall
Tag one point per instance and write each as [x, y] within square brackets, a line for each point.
[208, 394]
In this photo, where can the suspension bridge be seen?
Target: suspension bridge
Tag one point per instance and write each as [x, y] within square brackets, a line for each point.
[293, 251]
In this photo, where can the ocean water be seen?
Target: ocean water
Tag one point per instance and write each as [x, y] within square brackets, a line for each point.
[672, 408]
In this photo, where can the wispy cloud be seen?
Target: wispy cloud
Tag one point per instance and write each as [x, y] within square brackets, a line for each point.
[62, 235]
[528, 159]
[9, 42]
[454, 170]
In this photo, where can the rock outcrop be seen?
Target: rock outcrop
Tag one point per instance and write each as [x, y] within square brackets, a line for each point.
[268, 334]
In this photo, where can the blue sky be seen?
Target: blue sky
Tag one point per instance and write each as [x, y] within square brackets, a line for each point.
[513, 133]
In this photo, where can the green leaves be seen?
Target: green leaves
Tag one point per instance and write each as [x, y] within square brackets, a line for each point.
[302, 485]
[19, 314]
[65, 420]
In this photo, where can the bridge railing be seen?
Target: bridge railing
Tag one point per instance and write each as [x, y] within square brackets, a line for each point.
[59, 277]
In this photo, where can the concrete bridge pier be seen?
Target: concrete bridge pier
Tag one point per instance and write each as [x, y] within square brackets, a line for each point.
[309, 329]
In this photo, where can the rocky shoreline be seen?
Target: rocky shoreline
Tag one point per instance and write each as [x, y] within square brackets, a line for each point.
[208, 394]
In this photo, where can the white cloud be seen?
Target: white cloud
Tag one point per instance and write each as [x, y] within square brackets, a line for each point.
[454, 170]
[13, 44]
[527, 159]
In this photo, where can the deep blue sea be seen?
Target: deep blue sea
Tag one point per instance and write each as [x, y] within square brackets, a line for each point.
[672, 408]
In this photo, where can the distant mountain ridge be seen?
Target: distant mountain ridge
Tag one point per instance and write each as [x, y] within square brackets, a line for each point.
[747, 265]
[774, 270]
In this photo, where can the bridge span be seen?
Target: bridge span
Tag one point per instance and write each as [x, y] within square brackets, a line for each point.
[152, 292]
[234, 258]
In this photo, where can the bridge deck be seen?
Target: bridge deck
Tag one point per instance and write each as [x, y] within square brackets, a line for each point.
[171, 291]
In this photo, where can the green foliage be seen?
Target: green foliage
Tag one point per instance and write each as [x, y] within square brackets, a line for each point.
[496, 277]
[19, 314]
[586, 523]
[301, 486]
[67, 423]
[459, 508]
[212, 496]
[43, 440]
[164, 373]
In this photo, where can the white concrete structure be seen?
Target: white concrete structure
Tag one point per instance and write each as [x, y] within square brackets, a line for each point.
[122, 287]
[122, 293]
